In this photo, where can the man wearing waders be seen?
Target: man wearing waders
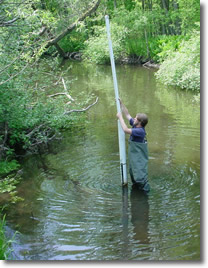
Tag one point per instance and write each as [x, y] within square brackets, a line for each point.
[137, 150]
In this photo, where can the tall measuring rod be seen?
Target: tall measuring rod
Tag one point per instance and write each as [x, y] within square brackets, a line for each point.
[121, 134]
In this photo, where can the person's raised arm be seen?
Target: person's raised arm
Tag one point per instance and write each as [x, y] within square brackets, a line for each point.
[125, 110]
[123, 124]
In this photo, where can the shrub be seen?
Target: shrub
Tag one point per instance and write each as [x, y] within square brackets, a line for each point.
[164, 45]
[73, 42]
[182, 67]
[97, 50]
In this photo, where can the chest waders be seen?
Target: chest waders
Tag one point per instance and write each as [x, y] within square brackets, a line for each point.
[138, 164]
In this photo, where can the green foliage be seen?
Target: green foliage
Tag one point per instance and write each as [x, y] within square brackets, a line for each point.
[151, 30]
[182, 67]
[28, 121]
[166, 44]
[3, 241]
[5, 244]
[8, 185]
[29, 118]
[189, 14]
[7, 167]
[136, 47]
[97, 50]
[73, 42]
[9, 182]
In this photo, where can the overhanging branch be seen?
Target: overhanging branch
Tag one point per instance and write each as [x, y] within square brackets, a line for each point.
[73, 25]
[84, 109]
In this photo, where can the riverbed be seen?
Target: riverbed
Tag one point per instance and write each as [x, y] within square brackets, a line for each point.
[75, 207]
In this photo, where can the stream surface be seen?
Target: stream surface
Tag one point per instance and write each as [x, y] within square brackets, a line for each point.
[75, 207]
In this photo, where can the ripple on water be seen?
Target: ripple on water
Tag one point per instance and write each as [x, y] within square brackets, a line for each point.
[178, 215]
[75, 207]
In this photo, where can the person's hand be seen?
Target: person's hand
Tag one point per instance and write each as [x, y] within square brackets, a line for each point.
[119, 115]
[118, 100]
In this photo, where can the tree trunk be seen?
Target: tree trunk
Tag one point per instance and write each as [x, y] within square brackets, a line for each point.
[59, 49]
[165, 5]
[147, 45]
[150, 4]
[143, 4]
[177, 22]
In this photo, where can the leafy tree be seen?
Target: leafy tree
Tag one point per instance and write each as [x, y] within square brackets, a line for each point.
[28, 118]
[97, 46]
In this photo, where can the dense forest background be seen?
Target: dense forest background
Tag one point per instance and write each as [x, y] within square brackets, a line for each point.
[162, 32]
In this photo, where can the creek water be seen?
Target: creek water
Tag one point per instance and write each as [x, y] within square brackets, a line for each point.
[75, 207]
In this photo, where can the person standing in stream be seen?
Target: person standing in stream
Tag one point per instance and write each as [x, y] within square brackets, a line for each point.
[138, 148]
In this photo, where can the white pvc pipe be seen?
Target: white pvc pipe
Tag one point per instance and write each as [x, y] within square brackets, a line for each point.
[121, 134]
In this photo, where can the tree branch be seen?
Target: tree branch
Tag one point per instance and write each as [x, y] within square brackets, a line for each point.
[13, 76]
[2, 146]
[63, 93]
[8, 23]
[83, 110]
[73, 25]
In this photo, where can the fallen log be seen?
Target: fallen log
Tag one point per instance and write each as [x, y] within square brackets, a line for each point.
[150, 64]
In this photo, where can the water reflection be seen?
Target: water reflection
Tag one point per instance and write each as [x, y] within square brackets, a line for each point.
[139, 214]
[125, 221]
[135, 217]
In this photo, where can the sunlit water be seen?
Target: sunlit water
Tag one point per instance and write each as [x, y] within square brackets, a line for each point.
[75, 207]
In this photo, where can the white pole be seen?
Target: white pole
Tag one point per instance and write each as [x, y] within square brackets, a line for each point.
[121, 134]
